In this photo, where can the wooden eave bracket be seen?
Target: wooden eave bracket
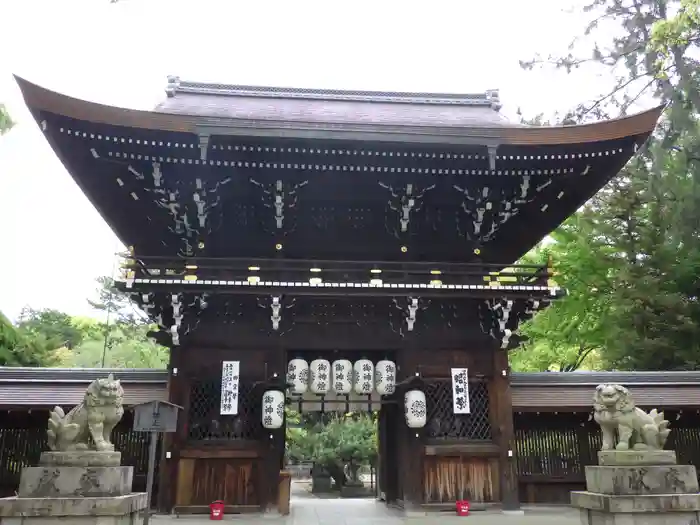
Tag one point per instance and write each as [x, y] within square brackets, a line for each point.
[203, 145]
[493, 150]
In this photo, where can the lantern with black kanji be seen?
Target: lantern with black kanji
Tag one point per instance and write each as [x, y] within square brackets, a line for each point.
[364, 377]
[298, 376]
[273, 409]
[341, 374]
[385, 377]
[320, 376]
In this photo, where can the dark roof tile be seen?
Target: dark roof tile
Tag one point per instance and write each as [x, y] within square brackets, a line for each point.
[333, 106]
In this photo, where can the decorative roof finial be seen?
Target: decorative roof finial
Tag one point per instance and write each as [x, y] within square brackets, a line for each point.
[172, 86]
[494, 97]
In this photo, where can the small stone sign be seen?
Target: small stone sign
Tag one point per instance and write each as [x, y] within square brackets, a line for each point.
[156, 416]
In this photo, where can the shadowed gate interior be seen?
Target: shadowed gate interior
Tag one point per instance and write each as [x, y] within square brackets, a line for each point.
[389, 415]
[446, 472]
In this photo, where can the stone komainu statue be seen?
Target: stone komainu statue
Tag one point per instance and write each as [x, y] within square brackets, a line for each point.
[89, 425]
[615, 411]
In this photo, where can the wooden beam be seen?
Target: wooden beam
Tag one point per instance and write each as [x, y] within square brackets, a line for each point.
[475, 449]
[485, 291]
[502, 418]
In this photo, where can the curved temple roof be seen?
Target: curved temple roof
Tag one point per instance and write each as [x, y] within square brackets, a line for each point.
[340, 163]
[408, 117]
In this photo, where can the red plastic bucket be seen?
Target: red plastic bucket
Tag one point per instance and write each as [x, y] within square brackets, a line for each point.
[216, 510]
[462, 508]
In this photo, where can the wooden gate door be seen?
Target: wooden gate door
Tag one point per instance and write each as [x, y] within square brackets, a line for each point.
[221, 458]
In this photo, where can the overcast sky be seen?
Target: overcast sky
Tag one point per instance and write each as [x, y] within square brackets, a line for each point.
[54, 244]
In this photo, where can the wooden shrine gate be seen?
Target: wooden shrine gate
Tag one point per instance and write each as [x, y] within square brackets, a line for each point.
[351, 231]
[233, 458]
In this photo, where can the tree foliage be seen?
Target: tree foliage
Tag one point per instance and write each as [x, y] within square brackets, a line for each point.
[54, 326]
[121, 341]
[349, 439]
[5, 121]
[18, 348]
[571, 333]
[631, 258]
[52, 338]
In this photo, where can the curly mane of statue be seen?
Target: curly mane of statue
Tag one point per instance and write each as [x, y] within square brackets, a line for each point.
[89, 425]
[617, 415]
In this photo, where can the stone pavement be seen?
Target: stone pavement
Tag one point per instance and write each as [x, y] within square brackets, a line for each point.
[313, 511]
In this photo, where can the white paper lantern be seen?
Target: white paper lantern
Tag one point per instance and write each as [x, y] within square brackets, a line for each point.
[416, 409]
[363, 377]
[319, 376]
[273, 409]
[341, 373]
[385, 377]
[298, 376]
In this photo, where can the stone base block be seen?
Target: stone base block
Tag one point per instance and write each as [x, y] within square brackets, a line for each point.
[637, 457]
[58, 482]
[628, 481]
[132, 519]
[630, 504]
[121, 510]
[596, 517]
[81, 458]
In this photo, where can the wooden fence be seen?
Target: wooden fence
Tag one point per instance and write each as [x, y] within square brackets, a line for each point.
[551, 449]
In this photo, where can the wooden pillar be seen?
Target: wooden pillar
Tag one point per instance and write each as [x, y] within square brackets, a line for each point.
[411, 442]
[172, 442]
[272, 441]
[502, 410]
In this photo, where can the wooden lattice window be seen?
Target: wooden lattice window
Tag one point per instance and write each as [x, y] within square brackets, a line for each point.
[443, 423]
[205, 423]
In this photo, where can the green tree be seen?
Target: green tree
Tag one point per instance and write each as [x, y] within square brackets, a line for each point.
[116, 303]
[300, 442]
[633, 39]
[643, 226]
[348, 440]
[119, 342]
[54, 326]
[126, 348]
[572, 332]
[5, 121]
[657, 318]
[680, 32]
[19, 349]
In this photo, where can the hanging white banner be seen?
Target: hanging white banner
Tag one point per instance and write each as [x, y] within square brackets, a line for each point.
[229, 387]
[460, 391]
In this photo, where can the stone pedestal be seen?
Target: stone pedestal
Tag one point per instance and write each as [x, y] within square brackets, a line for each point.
[639, 488]
[58, 491]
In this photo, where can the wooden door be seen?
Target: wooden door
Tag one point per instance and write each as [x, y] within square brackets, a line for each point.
[447, 479]
[207, 477]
